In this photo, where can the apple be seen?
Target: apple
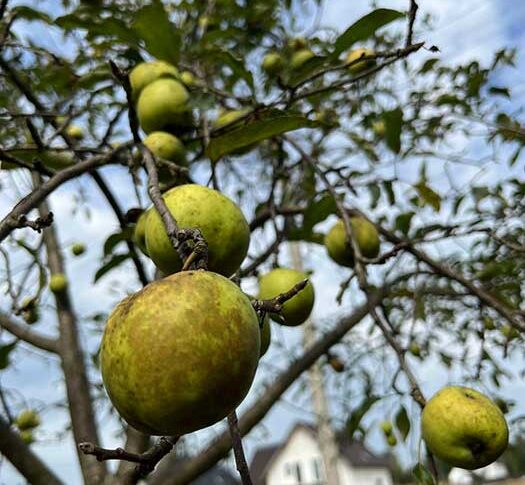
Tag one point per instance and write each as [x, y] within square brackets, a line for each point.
[272, 63]
[163, 106]
[391, 440]
[27, 419]
[180, 354]
[78, 248]
[168, 147]
[139, 232]
[387, 428]
[297, 43]
[266, 335]
[414, 349]
[147, 72]
[300, 58]
[509, 332]
[360, 66]
[221, 222]
[365, 234]
[58, 282]
[53, 159]
[27, 437]
[379, 128]
[188, 79]
[75, 131]
[280, 280]
[464, 428]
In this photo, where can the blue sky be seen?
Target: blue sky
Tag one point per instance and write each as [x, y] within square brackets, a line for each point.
[462, 30]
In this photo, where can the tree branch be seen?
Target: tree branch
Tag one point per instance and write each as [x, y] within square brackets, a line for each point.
[238, 451]
[23, 332]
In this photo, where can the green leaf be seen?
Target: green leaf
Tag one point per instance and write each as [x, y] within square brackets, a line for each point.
[318, 211]
[5, 350]
[389, 189]
[403, 222]
[161, 38]
[28, 13]
[393, 125]
[115, 261]
[256, 131]
[428, 196]
[236, 65]
[429, 65]
[364, 28]
[403, 423]
[115, 239]
[354, 420]
[500, 91]
[423, 475]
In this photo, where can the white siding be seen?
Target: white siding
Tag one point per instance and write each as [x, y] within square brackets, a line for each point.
[302, 450]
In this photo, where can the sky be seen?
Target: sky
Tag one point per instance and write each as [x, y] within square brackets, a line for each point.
[462, 30]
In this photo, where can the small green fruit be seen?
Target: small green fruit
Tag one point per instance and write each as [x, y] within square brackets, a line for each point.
[266, 335]
[58, 282]
[147, 72]
[365, 234]
[78, 248]
[387, 428]
[188, 79]
[139, 233]
[272, 63]
[221, 222]
[163, 106]
[75, 131]
[379, 128]
[391, 440]
[27, 419]
[166, 146]
[180, 354]
[464, 428]
[300, 58]
[360, 66]
[509, 332]
[415, 349]
[296, 310]
[297, 43]
[27, 437]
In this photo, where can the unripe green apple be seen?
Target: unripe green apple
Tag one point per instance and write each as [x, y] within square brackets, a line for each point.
[75, 131]
[167, 146]
[180, 354]
[280, 280]
[415, 349]
[147, 72]
[391, 440]
[365, 234]
[300, 58]
[297, 43]
[188, 79]
[379, 128]
[266, 335]
[27, 437]
[27, 419]
[220, 221]
[464, 428]
[387, 428]
[139, 232]
[272, 63]
[58, 282]
[360, 66]
[57, 160]
[78, 248]
[163, 106]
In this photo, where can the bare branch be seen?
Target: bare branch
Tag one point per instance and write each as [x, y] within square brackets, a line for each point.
[275, 305]
[25, 333]
[411, 19]
[238, 451]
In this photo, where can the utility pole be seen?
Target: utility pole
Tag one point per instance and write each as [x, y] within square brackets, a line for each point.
[326, 436]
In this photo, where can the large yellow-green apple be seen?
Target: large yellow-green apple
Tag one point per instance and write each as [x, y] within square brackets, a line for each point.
[180, 354]
[220, 221]
[360, 66]
[340, 250]
[280, 280]
[139, 232]
[464, 428]
[266, 335]
[27, 419]
[168, 147]
[163, 106]
[58, 282]
[300, 58]
[272, 63]
[147, 72]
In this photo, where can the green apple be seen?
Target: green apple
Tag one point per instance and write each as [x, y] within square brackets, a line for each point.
[391, 440]
[147, 72]
[180, 354]
[414, 349]
[509, 332]
[188, 79]
[379, 128]
[464, 428]
[387, 428]
[297, 43]
[27, 419]
[27, 437]
[272, 63]
[58, 282]
[365, 234]
[167, 146]
[163, 106]
[300, 58]
[360, 66]
[139, 232]
[280, 280]
[266, 335]
[221, 222]
[75, 131]
[78, 248]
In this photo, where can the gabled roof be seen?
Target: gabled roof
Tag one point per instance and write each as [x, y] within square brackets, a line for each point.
[355, 452]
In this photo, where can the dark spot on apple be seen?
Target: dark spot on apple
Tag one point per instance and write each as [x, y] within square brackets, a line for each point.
[476, 447]
[469, 395]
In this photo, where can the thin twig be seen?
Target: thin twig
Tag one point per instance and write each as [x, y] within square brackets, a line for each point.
[411, 19]
[238, 451]
[275, 305]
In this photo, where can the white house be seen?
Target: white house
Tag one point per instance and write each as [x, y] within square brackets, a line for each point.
[297, 461]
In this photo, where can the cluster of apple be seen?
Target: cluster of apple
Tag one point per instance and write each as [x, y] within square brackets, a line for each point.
[26, 422]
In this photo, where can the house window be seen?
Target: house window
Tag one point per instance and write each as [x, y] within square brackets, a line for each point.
[294, 470]
[317, 469]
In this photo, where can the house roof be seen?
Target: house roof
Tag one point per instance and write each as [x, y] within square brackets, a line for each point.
[353, 451]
